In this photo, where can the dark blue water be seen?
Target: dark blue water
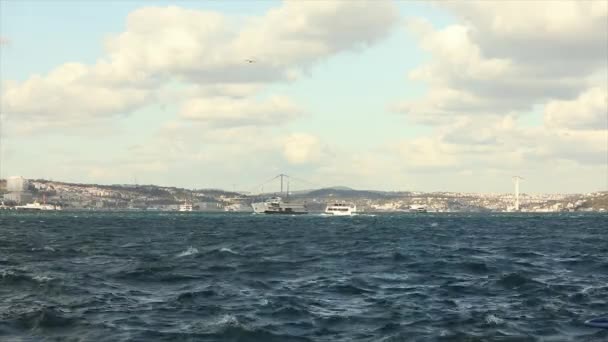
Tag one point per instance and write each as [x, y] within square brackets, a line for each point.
[219, 277]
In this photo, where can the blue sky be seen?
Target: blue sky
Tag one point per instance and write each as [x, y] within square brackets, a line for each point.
[356, 115]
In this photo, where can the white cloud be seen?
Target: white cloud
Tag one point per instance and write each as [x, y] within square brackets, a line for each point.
[171, 45]
[588, 111]
[551, 34]
[507, 56]
[68, 94]
[224, 111]
[503, 60]
[427, 153]
[302, 148]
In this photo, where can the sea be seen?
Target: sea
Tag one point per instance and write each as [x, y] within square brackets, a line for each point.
[155, 276]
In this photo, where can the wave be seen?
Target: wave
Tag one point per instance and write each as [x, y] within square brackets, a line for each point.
[239, 333]
[491, 319]
[190, 251]
[476, 267]
[227, 250]
[42, 278]
[515, 281]
[350, 289]
[399, 257]
[229, 327]
[45, 318]
[45, 248]
[193, 295]
[14, 277]
[138, 277]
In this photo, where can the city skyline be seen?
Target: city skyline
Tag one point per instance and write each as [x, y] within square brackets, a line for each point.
[384, 95]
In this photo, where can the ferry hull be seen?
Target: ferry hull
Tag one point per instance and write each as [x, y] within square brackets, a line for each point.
[279, 208]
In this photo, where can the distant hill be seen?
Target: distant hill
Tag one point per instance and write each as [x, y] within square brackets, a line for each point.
[339, 188]
[597, 202]
[344, 192]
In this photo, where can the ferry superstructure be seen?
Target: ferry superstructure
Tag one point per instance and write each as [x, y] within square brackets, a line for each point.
[340, 209]
[38, 206]
[276, 205]
[417, 208]
[185, 207]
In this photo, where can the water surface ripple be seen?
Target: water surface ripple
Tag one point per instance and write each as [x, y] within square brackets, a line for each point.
[81, 276]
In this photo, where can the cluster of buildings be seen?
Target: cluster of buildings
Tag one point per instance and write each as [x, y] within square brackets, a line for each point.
[20, 191]
[454, 202]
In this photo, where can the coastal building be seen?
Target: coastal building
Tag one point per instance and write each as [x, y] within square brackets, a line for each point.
[17, 188]
[16, 184]
[19, 197]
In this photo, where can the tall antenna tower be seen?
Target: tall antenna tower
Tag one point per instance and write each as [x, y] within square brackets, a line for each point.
[516, 180]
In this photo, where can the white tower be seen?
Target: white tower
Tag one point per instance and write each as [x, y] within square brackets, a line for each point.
[16, 184]
[516, 180]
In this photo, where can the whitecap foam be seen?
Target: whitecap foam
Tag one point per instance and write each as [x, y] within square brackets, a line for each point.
[227, 250]
[434, 224]
[42, 278]
[7, 273]
[227, 321]
[190, 251]
[491, 319]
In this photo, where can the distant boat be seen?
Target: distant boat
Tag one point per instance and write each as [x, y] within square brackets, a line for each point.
[235, 207]
[185, 207]
[417, 208]
[38, 206]
[340, 209]
[276, 205]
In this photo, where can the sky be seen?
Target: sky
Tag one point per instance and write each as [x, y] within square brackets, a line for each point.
[385, 95]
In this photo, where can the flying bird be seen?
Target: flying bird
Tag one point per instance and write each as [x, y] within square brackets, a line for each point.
[250, 61]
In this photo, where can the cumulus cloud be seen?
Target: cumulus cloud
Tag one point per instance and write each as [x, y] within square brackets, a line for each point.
[588, 111]
[225, 111]
[504, 59]
[551, 34]
[167, 48]
[507, 56]
[301, 148]
[68, 94]
[427, 153]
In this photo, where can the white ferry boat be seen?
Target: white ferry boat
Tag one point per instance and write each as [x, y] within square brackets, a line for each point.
[418, 208]
[340, 209]
[38, 206]
[185, 207]
[276, 205]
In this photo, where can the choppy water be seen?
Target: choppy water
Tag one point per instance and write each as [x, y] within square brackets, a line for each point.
[203, 277]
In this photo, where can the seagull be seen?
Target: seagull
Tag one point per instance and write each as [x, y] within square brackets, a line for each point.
[250, 61]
